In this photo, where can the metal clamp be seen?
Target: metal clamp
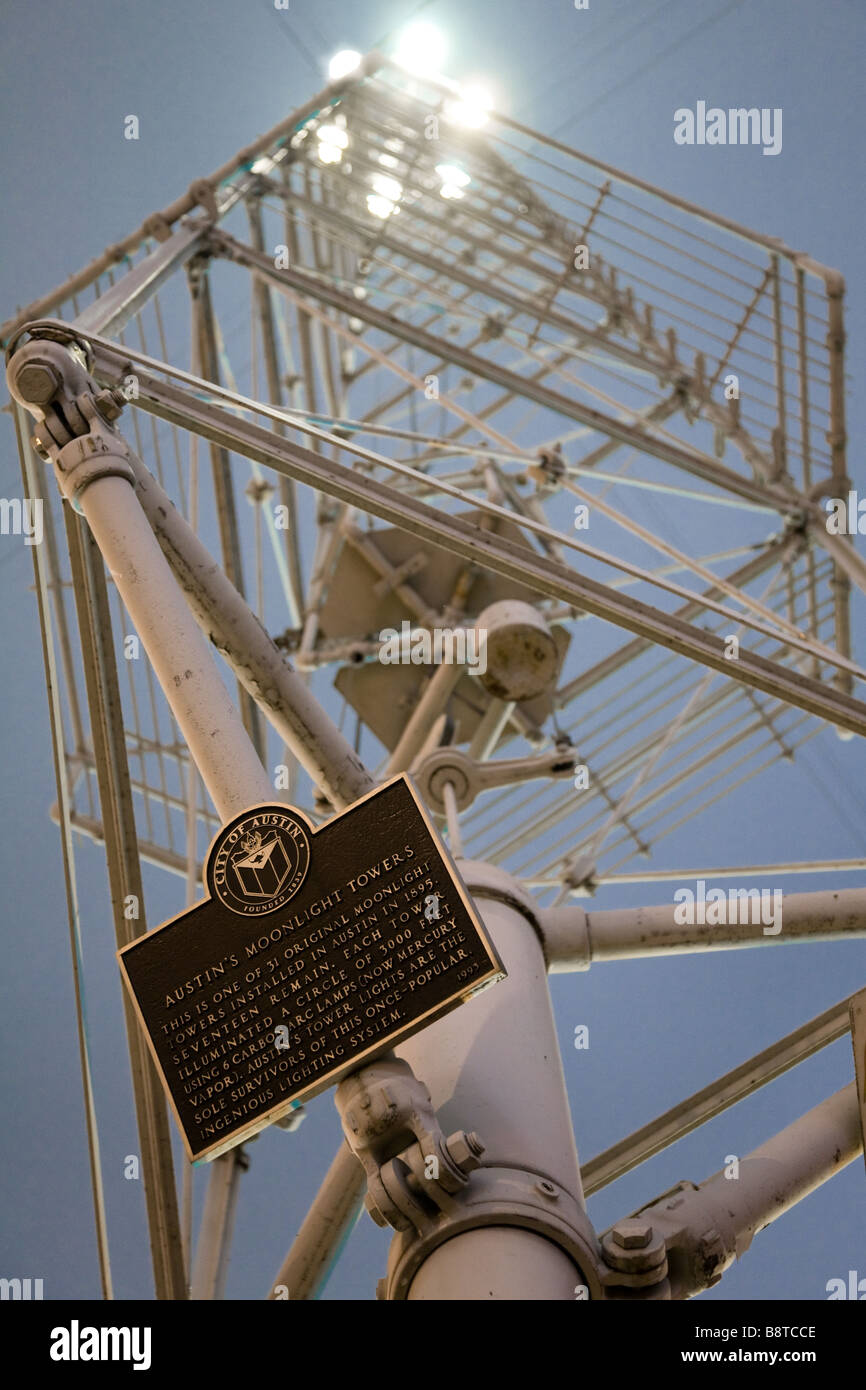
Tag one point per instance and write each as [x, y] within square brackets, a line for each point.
[390, 1125]
[671, 1247]
[501, 1197]
[50, 378]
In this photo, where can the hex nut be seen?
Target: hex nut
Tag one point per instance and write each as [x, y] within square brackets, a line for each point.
[465, 1150]
[632, 1235]
[109, 405]
[647, 1262]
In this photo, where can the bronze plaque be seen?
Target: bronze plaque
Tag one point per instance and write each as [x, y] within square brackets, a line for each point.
[314, 951]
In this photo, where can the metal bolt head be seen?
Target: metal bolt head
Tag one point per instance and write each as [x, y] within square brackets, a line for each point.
[632, 1235]
[465, 1150]
[109, 404]
[36, 382]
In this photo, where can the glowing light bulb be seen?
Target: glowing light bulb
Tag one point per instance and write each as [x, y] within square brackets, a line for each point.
[332, 141]
[333, 135]
[471, 108]
[388, 187]
[452, 173]
[421, 49]
[343, 63]
[379, 206]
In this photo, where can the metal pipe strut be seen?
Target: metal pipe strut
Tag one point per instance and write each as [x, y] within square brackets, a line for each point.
[692, 460]
[201, 193]
[302, 721]
[329, 1221]
[92, 464]
[714, 1099]
[64, 782]
[520, 1229]
[702, 1229]
[575, 939]
[504, 1216]
[543, 574]
[161, 399]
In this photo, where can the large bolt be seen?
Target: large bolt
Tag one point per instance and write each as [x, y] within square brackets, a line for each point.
[37, 382]
[109, 404]
[632, 1235]
[465, 1150]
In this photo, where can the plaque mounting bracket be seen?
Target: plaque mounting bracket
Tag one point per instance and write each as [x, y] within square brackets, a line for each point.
[413, 1170]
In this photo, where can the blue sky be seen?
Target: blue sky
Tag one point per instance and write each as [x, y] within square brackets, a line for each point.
[205, 77]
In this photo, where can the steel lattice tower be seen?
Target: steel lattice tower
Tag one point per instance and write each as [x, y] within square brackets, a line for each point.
[393, 364]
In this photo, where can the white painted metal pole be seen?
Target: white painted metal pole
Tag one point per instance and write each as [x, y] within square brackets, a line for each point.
[493, 1066]
[217, 1223]
[217, 741]
[724, 1091]
[214, 732]
[433, 701]
[99, 478]
[327, 1225]
[771, 1180]
[741, 871]
[182, 662]
[218, 609]
[575, 939]
[211, 725]
[496, 1263]
[490, 727]
[258, 664]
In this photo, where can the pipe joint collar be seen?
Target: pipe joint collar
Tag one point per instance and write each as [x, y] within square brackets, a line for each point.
[502, 1197]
